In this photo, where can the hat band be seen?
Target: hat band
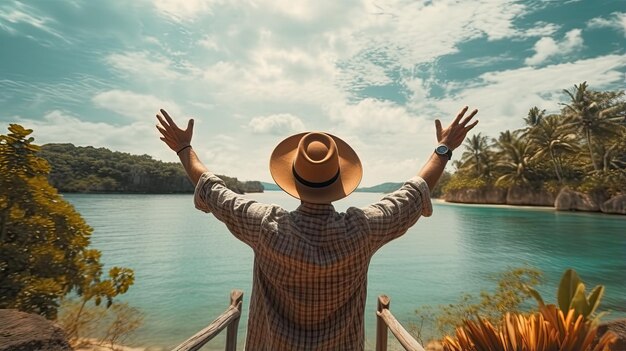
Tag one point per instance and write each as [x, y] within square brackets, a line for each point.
[314, 184]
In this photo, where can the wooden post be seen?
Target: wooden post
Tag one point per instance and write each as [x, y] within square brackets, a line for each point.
[236, 299]
[381, 326]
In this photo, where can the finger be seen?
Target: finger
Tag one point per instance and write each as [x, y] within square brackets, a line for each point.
[190, 125]
[438, 128]
[460, 115]
[469, 118]
[168, 118]
[162, 121]
[469, 127]
[162, 130]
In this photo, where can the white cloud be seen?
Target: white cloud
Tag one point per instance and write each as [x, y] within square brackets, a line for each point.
[209, 42]
[280, 124]
[373, 116]
[133, 105]
[547, 47]
[504, 98]
[15, 13]
[617, 20]
[144, 65]
[181, 10]
[60, 127]
[541, 29]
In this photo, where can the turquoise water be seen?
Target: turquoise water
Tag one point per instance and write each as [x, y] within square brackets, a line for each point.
[186, 262]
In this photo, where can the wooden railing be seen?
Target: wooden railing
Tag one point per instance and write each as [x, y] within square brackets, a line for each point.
[229, 319]
[386, 321]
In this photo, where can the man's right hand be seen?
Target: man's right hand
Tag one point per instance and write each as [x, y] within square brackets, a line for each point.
[173, 136]
[455, 133]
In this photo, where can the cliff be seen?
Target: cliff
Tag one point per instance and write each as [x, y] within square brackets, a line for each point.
[566, 200]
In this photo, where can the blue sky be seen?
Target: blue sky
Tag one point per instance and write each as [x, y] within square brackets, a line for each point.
[252, 72]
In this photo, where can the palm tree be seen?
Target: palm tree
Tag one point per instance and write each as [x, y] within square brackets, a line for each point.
[476, 156]
[593, 114]
[535, 116]
[514, 156]
[552, 139]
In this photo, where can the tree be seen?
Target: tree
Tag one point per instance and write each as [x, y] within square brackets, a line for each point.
[476, 156]
[44, 242]
[514, 158]
[535, 116]
[552, 140]
[594, 114]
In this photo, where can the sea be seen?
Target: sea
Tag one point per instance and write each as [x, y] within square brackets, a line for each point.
[186, 262]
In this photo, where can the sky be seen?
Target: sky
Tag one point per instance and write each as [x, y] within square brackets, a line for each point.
[252, 72]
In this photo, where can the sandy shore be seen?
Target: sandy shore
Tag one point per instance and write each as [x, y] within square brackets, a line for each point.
[538, 208]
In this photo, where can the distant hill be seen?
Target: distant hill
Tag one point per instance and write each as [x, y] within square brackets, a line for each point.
[270, 186]
[89, 169]
[384, 188]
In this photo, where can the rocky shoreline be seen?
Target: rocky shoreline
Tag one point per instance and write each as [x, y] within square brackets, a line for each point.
[565, 200]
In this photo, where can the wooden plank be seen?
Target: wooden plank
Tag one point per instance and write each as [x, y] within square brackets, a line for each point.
[405, 339]
[195, 342]
[381, 327]
[236, 299]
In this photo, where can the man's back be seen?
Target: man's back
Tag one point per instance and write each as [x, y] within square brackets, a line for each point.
[310, 265]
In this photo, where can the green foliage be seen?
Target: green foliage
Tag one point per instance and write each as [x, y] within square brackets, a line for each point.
[89, 169]
[512, 290]
[571, 296]
[582, 147]
[44, 242]
[437, 191]
[461, 180]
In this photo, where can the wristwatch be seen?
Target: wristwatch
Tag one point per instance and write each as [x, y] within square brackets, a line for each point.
[443, 150]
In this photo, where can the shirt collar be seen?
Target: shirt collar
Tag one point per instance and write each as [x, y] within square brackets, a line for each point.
[316, 209]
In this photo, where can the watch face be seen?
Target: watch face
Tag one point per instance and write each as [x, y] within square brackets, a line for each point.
[442, 149]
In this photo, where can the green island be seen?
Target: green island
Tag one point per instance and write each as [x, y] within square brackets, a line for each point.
[572, 160]
[77, 169]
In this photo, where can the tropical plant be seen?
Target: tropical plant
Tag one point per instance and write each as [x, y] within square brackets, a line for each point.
[552, 140]
[534, 117]
[548, 330]
[571, 296]
[510, 294]
[594, 114]
[44, 242]
[514, 156]
[477, 156]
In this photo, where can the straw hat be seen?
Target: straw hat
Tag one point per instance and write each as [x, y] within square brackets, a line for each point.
[316, 167]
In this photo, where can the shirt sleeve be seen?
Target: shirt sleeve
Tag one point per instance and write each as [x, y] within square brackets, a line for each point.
[395, 213]
[242, 216]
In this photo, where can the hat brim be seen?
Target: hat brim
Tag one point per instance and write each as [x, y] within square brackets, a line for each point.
[281, 168]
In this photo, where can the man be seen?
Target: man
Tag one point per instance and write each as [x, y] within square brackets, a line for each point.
[310, 265]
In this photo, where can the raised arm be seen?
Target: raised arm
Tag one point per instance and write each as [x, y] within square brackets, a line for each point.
[241, 215]
[452, 137]
[179, 140]
[395, 213]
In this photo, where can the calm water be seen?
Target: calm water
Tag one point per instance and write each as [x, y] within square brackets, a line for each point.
[186, 262]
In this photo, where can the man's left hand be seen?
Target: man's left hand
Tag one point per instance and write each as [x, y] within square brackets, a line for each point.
[173, 136]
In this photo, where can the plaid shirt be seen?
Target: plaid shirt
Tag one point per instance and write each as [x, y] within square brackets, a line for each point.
[310, 265]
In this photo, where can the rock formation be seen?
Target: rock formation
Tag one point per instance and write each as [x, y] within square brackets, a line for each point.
[521, 195]
[486, 195]
[615, 205]
[570, 200]
[21, 331]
